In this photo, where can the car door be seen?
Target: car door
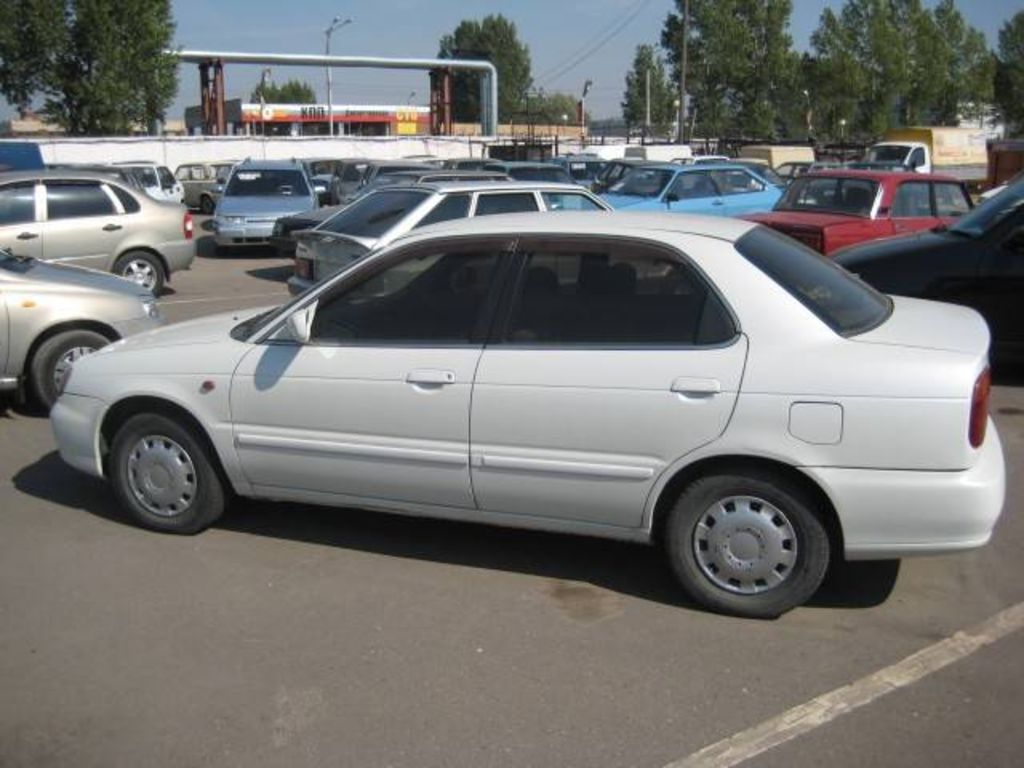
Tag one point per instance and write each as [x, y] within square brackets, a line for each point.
[615, 359]
[21, 232]
[83, 223]
[376, 405]
[694, 192]
[1000, 286]
[912, 207]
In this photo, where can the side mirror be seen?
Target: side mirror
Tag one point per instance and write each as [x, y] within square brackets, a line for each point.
[300, 323]
[671, 197]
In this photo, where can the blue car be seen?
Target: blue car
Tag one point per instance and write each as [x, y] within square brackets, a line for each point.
[714, 189]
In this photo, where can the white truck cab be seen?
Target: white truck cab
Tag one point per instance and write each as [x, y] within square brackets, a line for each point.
[902, 155]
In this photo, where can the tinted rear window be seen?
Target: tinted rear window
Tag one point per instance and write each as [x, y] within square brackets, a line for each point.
[840, 300]
[851, 196]
[374, 214]
[266, 182]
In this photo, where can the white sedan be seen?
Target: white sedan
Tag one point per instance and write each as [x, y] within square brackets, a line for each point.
[705, 384]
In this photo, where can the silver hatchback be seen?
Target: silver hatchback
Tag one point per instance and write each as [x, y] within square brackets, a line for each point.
[92, 220]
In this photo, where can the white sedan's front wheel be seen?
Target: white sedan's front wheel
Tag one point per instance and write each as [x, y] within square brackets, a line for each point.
[749, 545]
[164, 475]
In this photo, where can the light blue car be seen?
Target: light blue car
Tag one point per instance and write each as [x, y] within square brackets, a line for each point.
[717, 190]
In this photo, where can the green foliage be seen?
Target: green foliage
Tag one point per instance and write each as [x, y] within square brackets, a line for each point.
[289, 92]
[551, 108]
[496, 40]
[634, 98]
[1010, 76]
[742, 70]
[100, 63]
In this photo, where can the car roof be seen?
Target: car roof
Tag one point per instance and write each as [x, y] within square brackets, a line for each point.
[71, 174]
[600, 223]
[489, 186]
[697, 167]
[858, 173]
[270, 164]
[524, 164]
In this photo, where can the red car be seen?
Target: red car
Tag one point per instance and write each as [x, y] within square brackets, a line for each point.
[828, 210]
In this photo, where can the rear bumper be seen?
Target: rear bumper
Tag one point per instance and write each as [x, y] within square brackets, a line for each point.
[179, 254]
[893, 513]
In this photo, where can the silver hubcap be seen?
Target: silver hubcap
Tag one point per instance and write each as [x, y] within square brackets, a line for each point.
[63, 367]
[745, 545]
[161, 476]
[140, 271]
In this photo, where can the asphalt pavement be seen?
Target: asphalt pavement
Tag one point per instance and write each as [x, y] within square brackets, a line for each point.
[290, 635]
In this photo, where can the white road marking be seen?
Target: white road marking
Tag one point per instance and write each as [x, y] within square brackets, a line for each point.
[827, 707]
[278, 294]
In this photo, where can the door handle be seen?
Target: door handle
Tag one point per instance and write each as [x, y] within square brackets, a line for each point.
[718, 202]
[690, 387]
[430, 377]
[28, 236]
[111, 227]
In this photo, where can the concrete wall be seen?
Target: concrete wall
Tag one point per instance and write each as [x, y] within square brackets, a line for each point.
[173, 151]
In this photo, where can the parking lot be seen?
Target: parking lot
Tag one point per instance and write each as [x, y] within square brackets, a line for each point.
[293, 635]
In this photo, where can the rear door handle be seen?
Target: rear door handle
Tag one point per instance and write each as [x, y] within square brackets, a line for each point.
[691, 387]
[111, 227]
[430, 377]
[28, 236]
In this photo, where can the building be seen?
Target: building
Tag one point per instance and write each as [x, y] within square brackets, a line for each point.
[311, 119]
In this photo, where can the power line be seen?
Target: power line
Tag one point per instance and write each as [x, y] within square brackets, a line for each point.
[597, 43]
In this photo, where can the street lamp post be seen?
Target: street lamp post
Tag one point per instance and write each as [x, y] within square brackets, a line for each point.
[583, 113]
[263, 101]
[336, 23]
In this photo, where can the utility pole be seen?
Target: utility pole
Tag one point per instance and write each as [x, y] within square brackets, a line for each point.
[336, 23]
[681, 137]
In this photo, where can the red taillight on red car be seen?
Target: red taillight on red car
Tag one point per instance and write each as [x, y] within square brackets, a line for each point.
[186, 226]
[979, 408]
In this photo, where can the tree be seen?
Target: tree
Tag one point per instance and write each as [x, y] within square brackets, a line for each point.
[966, 87]
[634, 99]
[100, 63]
[742, 69]
[496, 40]
[1010, 76]
[30, 33]
[289, 92]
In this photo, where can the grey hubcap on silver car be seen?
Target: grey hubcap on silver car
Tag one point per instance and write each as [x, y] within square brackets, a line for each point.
[161, 476]
[745, 545]
[64, 363]
[140, 271]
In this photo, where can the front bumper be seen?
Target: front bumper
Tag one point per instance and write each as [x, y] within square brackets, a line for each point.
[75, 420]
[894, 513]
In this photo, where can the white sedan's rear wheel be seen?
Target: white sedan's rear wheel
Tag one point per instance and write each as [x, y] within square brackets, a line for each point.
[164, 476]
[750, 545]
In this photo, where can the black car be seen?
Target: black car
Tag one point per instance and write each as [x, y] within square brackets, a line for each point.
[977, 261]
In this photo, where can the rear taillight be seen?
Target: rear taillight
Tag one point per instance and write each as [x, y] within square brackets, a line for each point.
[304, 269]
[186, 226]
[979, 408]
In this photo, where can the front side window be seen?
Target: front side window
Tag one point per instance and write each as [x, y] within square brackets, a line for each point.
[17, 203]
[913, 200]
[519, 202]
[840, 300]
[374, 214]
[72, 200]
[166, 179]
[917, 158]
[436, 297]
[568, 201]
[693, 185]
[617, 294]
[950, 200]
[266, 182]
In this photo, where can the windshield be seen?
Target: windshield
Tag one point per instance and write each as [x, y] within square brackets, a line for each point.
[374, 214]
[894, 153]
[839, 299]
[643, 182]
[266, 183]
[830, 194]
[991, 212]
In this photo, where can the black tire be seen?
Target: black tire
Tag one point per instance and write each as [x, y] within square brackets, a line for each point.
[43, 367]
[143, 268]
[767, 560]
[206, 205]
[128, 469]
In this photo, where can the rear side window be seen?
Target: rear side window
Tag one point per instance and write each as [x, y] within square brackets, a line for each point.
[487, 205]
[951, 200]
[375, 214]
[614, 294]
[68, 200]
[452, 207]
[128, 201]
[736, 182]
[841, 301]
[17, 204]
[913, 200]
[568, 201]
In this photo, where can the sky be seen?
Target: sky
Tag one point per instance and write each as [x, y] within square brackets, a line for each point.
[558, 32]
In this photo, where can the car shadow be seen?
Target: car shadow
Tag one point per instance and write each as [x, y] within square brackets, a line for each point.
[279, 274]
[1008, 375]
[629, 569]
